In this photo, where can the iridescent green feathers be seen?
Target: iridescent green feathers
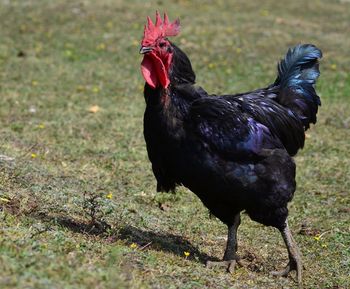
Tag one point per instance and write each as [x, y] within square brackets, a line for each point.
[297, 75]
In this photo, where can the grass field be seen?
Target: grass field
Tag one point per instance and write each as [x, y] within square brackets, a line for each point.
[78, 207]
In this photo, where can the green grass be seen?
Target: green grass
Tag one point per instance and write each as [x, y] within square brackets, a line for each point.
[59, 161]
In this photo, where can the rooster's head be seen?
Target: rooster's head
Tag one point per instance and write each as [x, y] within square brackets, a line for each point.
[157, 50]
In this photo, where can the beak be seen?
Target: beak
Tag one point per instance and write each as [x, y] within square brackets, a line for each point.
[145, 49]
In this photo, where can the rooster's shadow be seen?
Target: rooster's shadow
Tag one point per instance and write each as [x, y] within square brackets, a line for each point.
[145, 239]
[166, 242]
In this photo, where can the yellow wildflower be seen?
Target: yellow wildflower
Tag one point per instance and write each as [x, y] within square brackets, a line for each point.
[333, 66]
[211, 65]
[33, 155]
[133, 245]
[186, 254]
[317, 238]
[109, 196]
[95, 89]
[41, 126]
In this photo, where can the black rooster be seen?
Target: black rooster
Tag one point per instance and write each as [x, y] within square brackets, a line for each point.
[233, 151]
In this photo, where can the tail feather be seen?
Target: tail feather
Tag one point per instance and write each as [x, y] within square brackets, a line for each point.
[297, 75]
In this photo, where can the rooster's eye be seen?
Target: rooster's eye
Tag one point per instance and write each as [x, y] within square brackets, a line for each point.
[162, 44]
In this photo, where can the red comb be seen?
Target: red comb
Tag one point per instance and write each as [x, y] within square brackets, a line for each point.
[162, 28]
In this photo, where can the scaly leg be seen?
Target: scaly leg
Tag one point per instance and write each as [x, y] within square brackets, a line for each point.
[230, 257]
[294, 257]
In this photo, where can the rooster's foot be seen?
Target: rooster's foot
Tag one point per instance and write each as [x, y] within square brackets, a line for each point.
[292, 266]
[284, 273]
[295, 263]
[228, 264]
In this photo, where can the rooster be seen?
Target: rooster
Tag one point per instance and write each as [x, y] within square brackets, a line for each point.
[233, 151]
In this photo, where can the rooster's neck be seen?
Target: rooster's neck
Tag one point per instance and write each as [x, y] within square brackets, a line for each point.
[169, 100]
[167, 110]
[170, 105]
[181, 71]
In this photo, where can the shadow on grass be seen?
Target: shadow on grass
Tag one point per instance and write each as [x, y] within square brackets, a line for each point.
[99, 228]
[165, 242]
[145, 239]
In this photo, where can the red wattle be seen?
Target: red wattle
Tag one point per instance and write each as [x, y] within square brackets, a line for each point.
[148, 71]
[154, 71]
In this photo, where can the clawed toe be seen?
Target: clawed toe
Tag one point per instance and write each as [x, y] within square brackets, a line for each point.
[292, 266]
[284, 272]
[229, 265]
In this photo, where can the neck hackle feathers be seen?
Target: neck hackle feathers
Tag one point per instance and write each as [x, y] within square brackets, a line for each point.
[161, 29]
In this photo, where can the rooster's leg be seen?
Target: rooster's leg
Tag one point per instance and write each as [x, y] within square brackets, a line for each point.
[294, 256]
[230, 257]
